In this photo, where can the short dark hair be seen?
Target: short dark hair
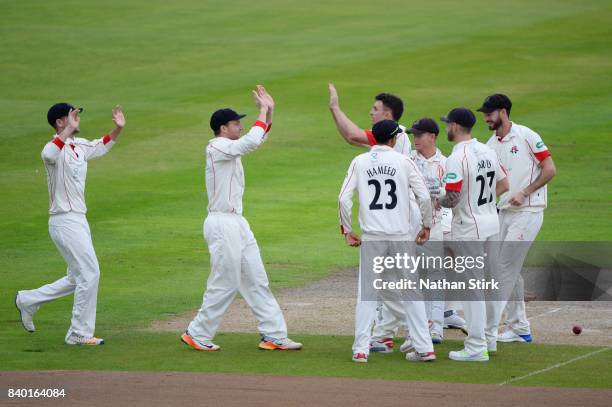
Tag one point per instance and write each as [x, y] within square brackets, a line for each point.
[392, 103]
[494, 102]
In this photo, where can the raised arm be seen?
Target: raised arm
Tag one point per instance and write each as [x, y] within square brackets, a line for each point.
[347, 129]
[228, 149]
[119, 120]
[97, 148]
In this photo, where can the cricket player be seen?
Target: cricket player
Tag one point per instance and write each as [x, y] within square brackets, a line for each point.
[383, 179]
[521, 211]
[65, 158]
[235, 261]
[474, 178]
[431, 162]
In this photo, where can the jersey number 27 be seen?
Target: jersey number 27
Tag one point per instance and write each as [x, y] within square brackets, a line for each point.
[481, 180]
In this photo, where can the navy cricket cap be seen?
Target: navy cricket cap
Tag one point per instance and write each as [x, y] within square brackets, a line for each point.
[59, 110]
[424, 125]
[385, 130]
[223, 116]
[496, 102]
[462, 116]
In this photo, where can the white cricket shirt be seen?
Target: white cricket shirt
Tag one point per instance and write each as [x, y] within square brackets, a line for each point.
[66, 166]
[473, 169]
[520, 152]
[224, 172]
[383, 179]
[433, 170]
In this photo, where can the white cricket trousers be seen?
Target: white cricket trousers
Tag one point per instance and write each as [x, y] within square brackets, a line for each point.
[390, 318]
[235, 266]
[474, 306]
[518, 229]
[72, 237]
[412, 310]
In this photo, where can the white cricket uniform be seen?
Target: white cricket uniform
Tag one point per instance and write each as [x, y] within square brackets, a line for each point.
[520, 152]
[383, 179]
[473, 170]
[66, 166]
[433, 170]
[235, 261]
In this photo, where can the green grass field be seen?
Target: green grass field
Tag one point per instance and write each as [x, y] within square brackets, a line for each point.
[170, 64]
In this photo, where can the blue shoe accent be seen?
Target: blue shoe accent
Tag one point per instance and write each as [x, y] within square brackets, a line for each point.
[527, 338]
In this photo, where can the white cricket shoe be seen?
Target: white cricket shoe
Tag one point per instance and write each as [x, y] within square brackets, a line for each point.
[384, 345]
[421, 357]
[463, 356]
[510, 336]
[269, 343]
[76, 339]
[207, 346]
[360, 358]
[26, 313]
[454, 321]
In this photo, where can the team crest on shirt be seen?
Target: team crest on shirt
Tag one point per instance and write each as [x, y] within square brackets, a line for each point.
[514, 150]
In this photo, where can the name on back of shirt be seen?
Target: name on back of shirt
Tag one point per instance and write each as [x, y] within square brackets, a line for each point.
[381, 170]
[484, 164]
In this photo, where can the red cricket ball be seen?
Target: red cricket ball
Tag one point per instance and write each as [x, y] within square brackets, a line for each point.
[577, 329]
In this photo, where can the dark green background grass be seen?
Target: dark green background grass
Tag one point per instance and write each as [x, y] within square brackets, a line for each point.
[171, 63]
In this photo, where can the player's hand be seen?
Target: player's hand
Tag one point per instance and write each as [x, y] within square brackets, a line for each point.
[333, 96]
[423, 236]
[74, 120]
[118, 117]
[352, 239]
[266, 96]
[517, 199]
[260, 101]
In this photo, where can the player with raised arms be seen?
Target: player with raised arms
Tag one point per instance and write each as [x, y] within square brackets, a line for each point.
[235, 260]
[65, 158]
